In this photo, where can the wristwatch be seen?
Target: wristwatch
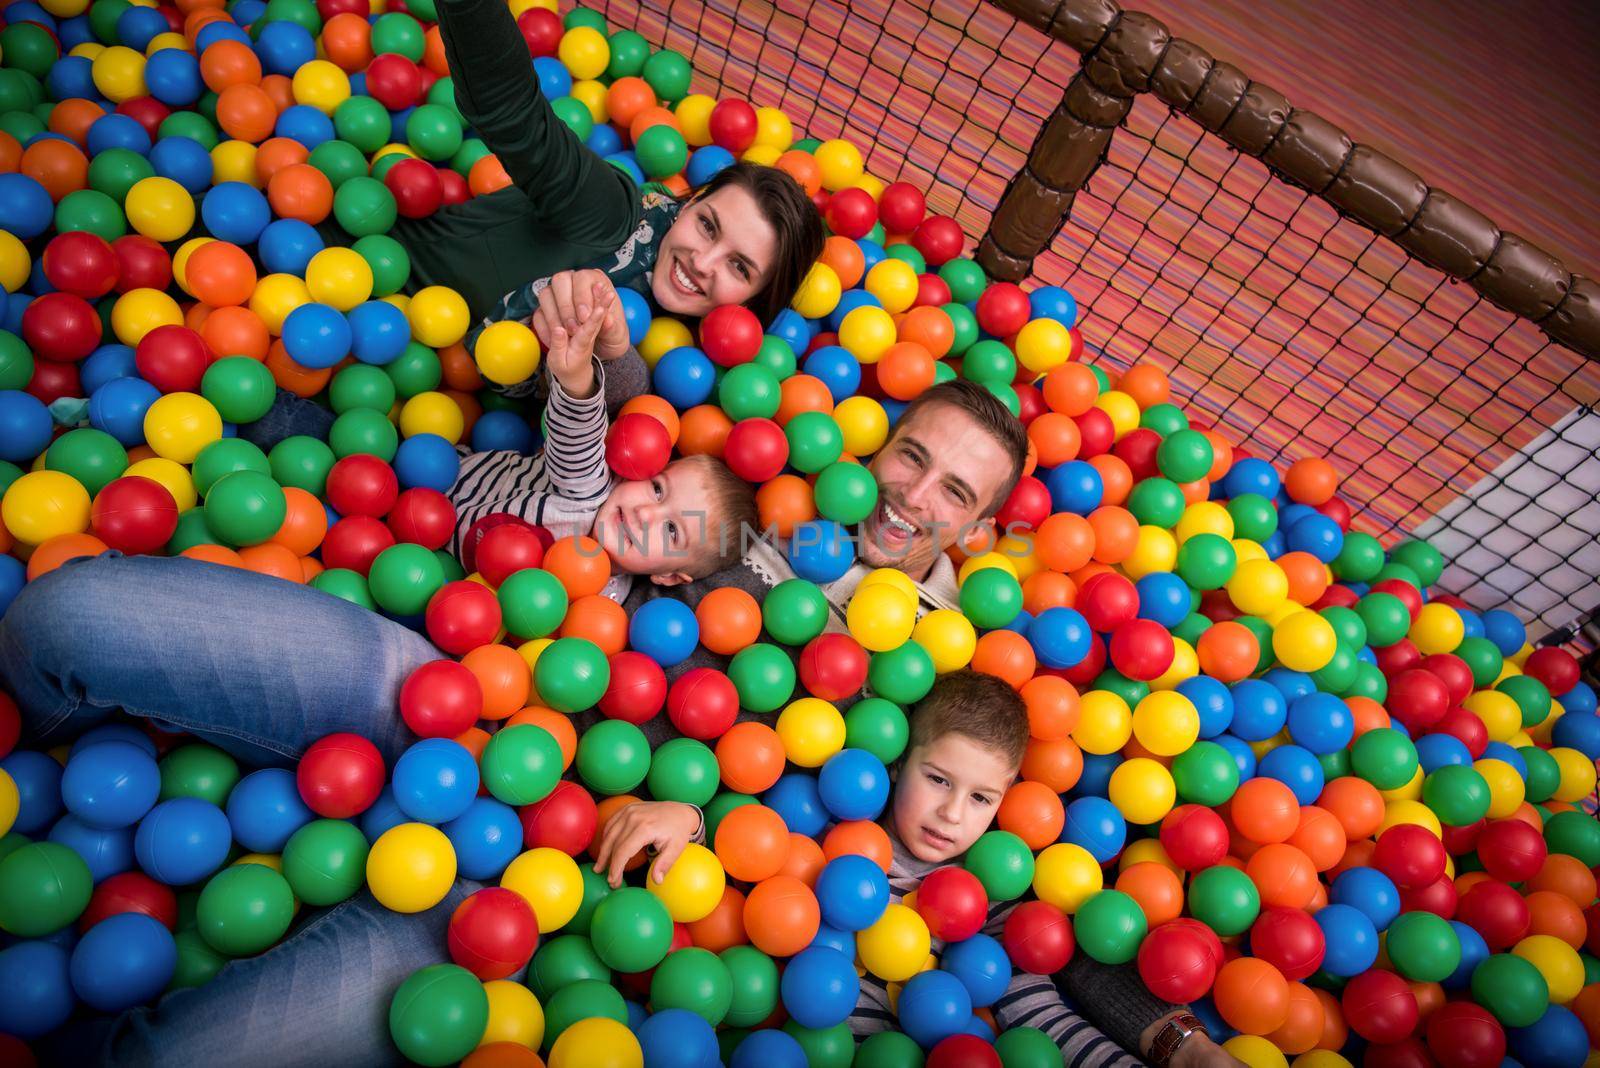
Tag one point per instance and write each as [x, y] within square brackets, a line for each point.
[1174, 1034]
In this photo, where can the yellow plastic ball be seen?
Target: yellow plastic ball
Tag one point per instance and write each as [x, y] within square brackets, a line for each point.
[1204, 517]
[598, 1041]
[1255, 1051]
[517, 6]
[87, 50]
[1156, 550]
[864, 423]
[1021, 549]
[983, 562]
[173, 477]
[165, 40]
[139, 311]
[811, 730]
[65, 9]
[15, 263]
[1577, 774]
[693, 885]
[870, 185]
[180, 260]
[1185, 665]
[765, 155]
[275, 296]
[394, 148]
[178, 425]
[867, 332]
[1320, 1058]
[1501, 715]
[1411, 790]
[10, 802]
[889, 576]
[1043, 345]
[895, 947]
[1123, 410]
[438, 316]
[773, 129]
[694, 118]
[340, 278]
[592, 95]
[530, 650]
[1166, 723]
[235, 161]
[322, 85]
[550, 882]
[1257, 587]
[894, 283]
[515, 1015]
[1507, 790]
[585, 51]
[432, 413]
[1415, 813]
[1105, 723]
[664, 335]
[881, 617]
[42, 504]
[819, 292]
[948, 637]
[1245, 549]
[1558, 962]
[1304, 642]
[118, 73]
[411, 867]
[839, 164]
[1438, 628]
[1142, 790]
[507, 352]
[1066, 875]
[1147, 851]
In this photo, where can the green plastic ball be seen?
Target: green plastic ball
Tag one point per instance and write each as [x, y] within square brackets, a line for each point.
[613, 757]
[301, 461]
[595, 889]
[198, 963]
[16, 361]
[1392, 570]
[1184, 456]
[1457, 794]
[815, 440]
[1224, 899]
[44, 886]
[694, 979]
[748, 391]
[1384, 757]
[1026, 1047]
[1348, 626]
[1360, 558]
[339, 161]
[117, 170]
[754, 982]
[532, 602]
[896, 1049]
[661, 151]
[1423, 947]
[361, 430]
[1205, 774]
[398, 33]
[1423, 559]
[325, 861]
[416, 370]
[473, 149]
[1339, 673]
[363, 123]
[794, 611]
[562, 961]
[1157, 502]
[190, 531]
[1003, 863]
[91, 456]
[29, 47]
[1254, 517]
[1385, 616]
[572, 674]
[1544, 774]
[965, 326]
[240, 388]
[434, 131]
[776, 355]
[246, 508]
[846, 493]
[1511, 988]
[824, 1047]
[1483, 658]
[991, 598]
[92, 211]
[403, 577]
[1370, 682]
[903, 675]
[365, 206]
[989, 361]
[1007, 395]
[224, 457]
[1576, 834]
[1109, 927]
[1132, 691]
[1165, 419]
[683, 770]
[360, 386]
[631, 930]
[190, 124]
[302, 13]
[198, 770]
[877, 726]
[907, 253]
[1207, 561]
[965, 279]
[245, 909]
[668, 73]
[521, 764]
[1531, 696]
[764, 677]
[438, 1015]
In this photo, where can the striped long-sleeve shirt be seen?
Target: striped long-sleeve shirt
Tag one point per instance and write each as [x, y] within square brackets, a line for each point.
[1032, 1000]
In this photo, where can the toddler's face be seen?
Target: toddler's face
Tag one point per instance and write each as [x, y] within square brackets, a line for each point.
[947, 794]
[659, 526]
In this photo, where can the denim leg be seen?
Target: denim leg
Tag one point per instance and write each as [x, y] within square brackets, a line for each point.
[288, 416]
[255, 665]
[317, 999]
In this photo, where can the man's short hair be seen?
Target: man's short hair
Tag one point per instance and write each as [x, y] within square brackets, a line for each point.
[732, 501]
[982, 707]
[991, 414]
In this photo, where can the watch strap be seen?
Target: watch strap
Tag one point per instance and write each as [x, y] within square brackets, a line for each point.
[1173, 1034]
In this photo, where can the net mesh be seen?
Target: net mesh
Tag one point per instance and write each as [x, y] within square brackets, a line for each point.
[1298, 332]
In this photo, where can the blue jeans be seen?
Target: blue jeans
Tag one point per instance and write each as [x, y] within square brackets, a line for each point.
[261, 668]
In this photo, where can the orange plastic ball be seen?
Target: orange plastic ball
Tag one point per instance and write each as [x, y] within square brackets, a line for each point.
[305, 522]
[503, 1055]
[1311, 481]
[1055, 437]
[1071, 389]
[1555, 914]
[723, 927]
[1033, 812]
[1047, 589]
[627, 97]
[860, 838]
[580, 565]
[246, 113]
[802, 393]
[277, 561]
[1228, 651]
[599, 619]
[213, 554]
[301, 381]
[1283, 875]
[58, 166]
[1308, 577]
[929, 327]
[229, 63]
[658, 408]
[1356, 804]
[559, 727]
[752, 842]
[1156, 888]
[300, 191]
[730, 620]
[805, 859]
[460, 370]
[235, 331]
[1366, 714]
[1303, 1026]
[1005, 655]
[650, 117]
[1057, 764]
[1356, 855]
[1252, 996]
[1053, 707]
[1567, 876]
[1065, 541]
[1115, 476]
[70, 118]
[784, 503]
[1264, 810]
[1116, 533]
[802, 167]
[750, 757]
[221, 274]
[781, 916]
[1319, 836]
[57, 550]
[487, 176]
[279, 90]
[504, 677]
[844, 256]
[276, 153]
[1147, 384]
[704, 431]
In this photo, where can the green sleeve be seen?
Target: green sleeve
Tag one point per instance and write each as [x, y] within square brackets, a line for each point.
[575, 192]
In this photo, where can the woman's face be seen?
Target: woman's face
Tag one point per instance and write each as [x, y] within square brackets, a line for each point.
[719, 251]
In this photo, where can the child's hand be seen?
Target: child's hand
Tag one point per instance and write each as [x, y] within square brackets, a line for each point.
[571, 349]
[666, 826]
[569, 298]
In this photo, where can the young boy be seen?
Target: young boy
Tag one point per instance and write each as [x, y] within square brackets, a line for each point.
[680, 525]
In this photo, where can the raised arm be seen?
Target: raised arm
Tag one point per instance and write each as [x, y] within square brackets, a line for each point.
[572, 190]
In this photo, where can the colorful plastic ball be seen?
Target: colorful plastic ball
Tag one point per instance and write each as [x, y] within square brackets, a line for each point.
[244, 909]
[411, 867]
[492, 933]
[110, 785]
[852, 892]
[1512, 988]
[264, 810]
[933, 1006]
[123, 961]
[340, 775]
[1463, 1035]
[435, 780]
[1176, 961]
[438, 1015]
[182, 841]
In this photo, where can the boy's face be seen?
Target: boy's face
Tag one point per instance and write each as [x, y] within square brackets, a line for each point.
[947, 794]
[658, 526]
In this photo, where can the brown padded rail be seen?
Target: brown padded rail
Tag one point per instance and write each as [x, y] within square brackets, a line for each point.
[1126, 53]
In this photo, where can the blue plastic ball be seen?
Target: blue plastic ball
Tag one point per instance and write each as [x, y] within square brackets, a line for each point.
[138, 26]
[70, 77]
[768, 1048]
[1321, 722]
[1292, 684]
[13, 576]
[379, 332]
[820, 987]
[1163, 598]
[38, 781]
[685, 377]
[182, 841]
[1435, 751]
[113, 732]
[1259, 710]
[1075, 486]
[821, 551]
[854, 785]
[1318, 535]
[1352, 941]
[832, 937]
[234, 211]
[1369, 890]
[1096, 825]
[287, 246]
[1474, 951]
[185, 161]
[504, 432]
[305, 124]
[1053, 302]
[665, 630]
[111, 785]
[677, 1038]
[1251, 475]
[1061, 637]
[37, 979]
[104, 364]
[1295, 767]
[122, 961]
[1580, 731]
[1555, 1040]
[1505, 630]
[173, 77]
[837, 369]
[25, 423]
[435, 780]
[553, 77]
[852, 892]
[981, 964]
[603, 140]
[849, 302]
[1244, 758]
[116, 130]
[792, 327]
[486, 837]
[384, 814]
[1095, 781]
[225, 30]
[106, 852]
[933, 1006]
[705, 163]
[1212, 700]
[1581, 698]
[316, 335]
[119, 407]
[427, 461]
[284, 47]
[265, 809]
[635, 314]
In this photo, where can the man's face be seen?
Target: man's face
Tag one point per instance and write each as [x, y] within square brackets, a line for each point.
[937, 475]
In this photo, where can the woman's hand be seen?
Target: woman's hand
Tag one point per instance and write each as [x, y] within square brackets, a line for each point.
[572, 349]
[663, 826]
[568, 299]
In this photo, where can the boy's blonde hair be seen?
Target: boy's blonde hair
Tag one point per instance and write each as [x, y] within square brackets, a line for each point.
[731, 512]
[981, 707]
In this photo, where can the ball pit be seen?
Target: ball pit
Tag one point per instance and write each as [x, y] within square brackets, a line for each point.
[1253, 726]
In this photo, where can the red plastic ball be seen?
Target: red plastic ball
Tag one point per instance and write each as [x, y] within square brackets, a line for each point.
[542, 29]
[416, 188]
[62, 327]
[1137, 449]
[1462, 1034]
[637, 690]
[833, 666]
[1459, 840]
[493, 933]
[1469, 729]
[1003, 309]
[354, 542]
[1194, 836]
[1409, 595]
[1452, 671]
[134, 514]
[394, 81]
[1407, 1053]
[453, 188]
[756, 449]
[362, 484]
[733, 125]
[51, 381]
[1418, 698]
[173, 359]
[1142, 649]
[131, 891]
[1402, 656]
[703, 703]
[1410, 856]
[1511, 850]
[423, 516]
[147, 111]
[1038, 938]
[1108, 601]
[1554, 667]
[934, 292]
[566, 819]
[1495, 911]
[901, 206]
[141, 263]
[461, 616]
[1439, 898]
[1096, 433]
[1290, 940]
[939, 239]
[329, 8]
[953, 903]
[1026, 507]
[731, 335]
[1379, 1006]
[340, 775]
[963, 1051]
[441, 699]
[81, 263]
[10, 724]
[1176, 963]
[638, 447]
[508, 548]
[852, 213]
